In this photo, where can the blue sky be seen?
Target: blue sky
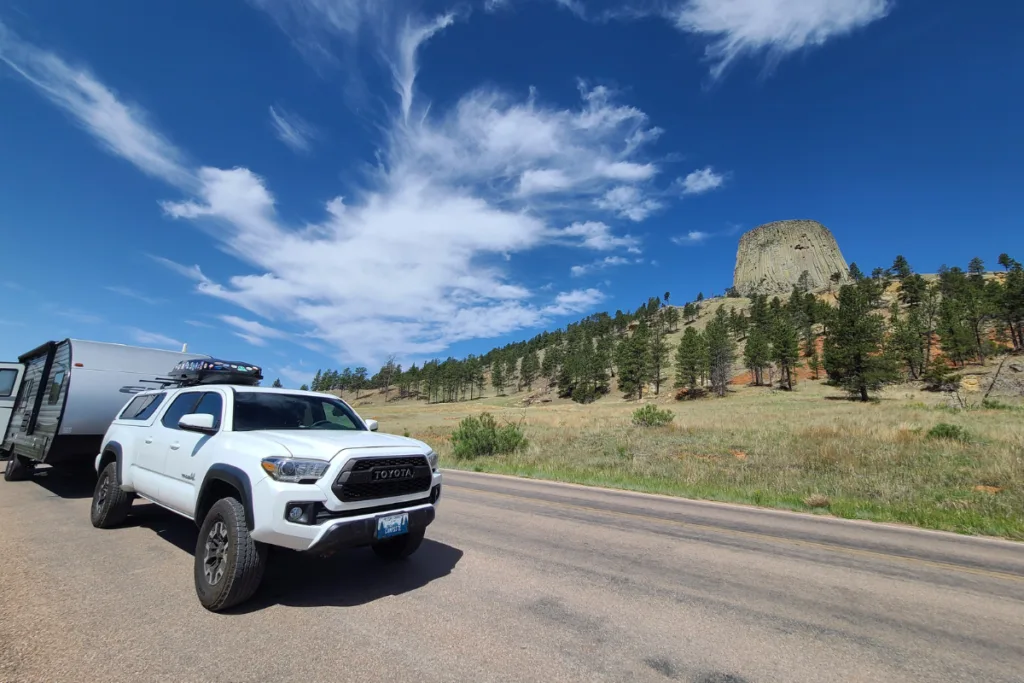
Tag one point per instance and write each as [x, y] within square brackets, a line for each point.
[315, 183]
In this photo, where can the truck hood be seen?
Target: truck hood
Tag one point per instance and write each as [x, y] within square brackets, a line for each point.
[324, 443]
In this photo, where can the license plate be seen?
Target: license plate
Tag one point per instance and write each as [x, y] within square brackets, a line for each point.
[393, 525]
[391, 473]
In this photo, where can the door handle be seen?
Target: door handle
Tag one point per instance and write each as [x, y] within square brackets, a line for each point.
[149, 440]
[175, 446]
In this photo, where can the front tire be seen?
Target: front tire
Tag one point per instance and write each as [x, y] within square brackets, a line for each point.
[400, 547]
[18, 468]
[229, 564]
[110, 504]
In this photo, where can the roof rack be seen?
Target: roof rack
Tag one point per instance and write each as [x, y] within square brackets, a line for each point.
[201, 371]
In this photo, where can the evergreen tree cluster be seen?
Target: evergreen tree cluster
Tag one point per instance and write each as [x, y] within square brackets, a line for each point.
[960, 317]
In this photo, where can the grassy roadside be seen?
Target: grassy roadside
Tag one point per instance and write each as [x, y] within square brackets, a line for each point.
[801, 451]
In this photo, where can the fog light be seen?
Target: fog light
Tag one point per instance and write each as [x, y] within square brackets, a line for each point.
[295, 514]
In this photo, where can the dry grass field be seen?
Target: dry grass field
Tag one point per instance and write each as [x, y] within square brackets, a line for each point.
[806, 450]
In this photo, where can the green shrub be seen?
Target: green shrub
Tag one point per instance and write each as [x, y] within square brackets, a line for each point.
[651, 415]
[944, 430]
[995, 404]
[476, 436]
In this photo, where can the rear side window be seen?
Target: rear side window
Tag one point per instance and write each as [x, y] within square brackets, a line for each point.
[7, 377]
[180, 406]
[142, 407]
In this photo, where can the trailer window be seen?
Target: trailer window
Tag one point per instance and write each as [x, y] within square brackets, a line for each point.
[55, 386]
[7, 377]
[142, 407]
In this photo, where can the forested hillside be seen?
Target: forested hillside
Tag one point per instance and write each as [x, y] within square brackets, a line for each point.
[889, 326]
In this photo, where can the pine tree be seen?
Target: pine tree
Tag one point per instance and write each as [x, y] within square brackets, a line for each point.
[756, 355]
[304, 387]
[855, 356]
[689, 312]
[658, 353]
[900, 268]
[785, 349]
[721, 352]
[498, 376]
[689, 359]
[318, 381]
[277, 384]
[814, 363]
[634, 362]
[529, 368]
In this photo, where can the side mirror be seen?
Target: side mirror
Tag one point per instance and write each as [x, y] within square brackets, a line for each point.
[371, 425]
[197, 422]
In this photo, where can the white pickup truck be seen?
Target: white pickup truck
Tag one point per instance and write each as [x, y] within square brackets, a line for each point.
[257, 467]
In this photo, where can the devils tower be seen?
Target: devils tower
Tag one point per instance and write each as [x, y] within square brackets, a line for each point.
[771, 258]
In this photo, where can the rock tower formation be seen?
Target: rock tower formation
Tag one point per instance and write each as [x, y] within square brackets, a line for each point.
[771, 258]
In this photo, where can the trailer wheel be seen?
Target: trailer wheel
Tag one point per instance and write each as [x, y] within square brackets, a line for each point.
[110, 504]
[18, 468]
[229, 564]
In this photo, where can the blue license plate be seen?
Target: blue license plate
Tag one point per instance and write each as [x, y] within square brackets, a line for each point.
[392, 525]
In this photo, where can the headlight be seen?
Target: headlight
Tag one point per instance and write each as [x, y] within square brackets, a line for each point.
[294, 469]
[432, 458]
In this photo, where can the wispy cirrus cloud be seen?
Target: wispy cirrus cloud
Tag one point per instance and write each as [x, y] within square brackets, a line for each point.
[291, 129]
[455, 194]
[774, 28]
[123, 129]
[154, 339]
[132, 294]
[253, 331]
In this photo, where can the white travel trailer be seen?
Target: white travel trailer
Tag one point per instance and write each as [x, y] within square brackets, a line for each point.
[62, 396]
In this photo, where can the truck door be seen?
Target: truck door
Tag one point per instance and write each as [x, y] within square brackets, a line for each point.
[10, 380]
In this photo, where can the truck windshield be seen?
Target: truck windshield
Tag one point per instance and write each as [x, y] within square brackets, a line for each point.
[255, 410]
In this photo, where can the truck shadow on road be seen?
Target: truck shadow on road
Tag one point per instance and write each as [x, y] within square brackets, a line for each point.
[348, 579]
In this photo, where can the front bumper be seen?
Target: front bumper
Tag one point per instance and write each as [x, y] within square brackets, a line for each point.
[337, 525]
[354, 533]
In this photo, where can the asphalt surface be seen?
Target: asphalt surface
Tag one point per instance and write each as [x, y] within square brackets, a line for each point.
[518, 581]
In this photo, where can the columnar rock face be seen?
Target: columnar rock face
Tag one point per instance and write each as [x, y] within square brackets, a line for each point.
[772, 257]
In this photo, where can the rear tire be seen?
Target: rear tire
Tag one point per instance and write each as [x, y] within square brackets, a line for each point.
[110, 504]
[19, 468]
[400, 547]
[229, 564]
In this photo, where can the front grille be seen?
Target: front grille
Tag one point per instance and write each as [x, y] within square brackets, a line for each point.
[355, 483]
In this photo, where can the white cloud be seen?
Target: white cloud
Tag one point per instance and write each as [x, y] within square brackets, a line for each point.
[154, 338]
[701, 181]
[198, 323]
[437, 220]
[628, 202]
[292, 129]
[600, 264]
[576, 301]
[692, 237]
[78, 316]
[775, 27]
[293, 376]
[121, 128]
[132, 294]
[252, 331]
[598, 236]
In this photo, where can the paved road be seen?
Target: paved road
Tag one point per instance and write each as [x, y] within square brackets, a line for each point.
[520, 581]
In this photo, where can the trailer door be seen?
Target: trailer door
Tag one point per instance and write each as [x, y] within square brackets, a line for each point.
[10, 380]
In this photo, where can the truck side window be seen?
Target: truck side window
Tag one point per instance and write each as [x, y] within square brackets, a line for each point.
[7, 377]
[182, 405]
[142, 407]
[211, 404]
